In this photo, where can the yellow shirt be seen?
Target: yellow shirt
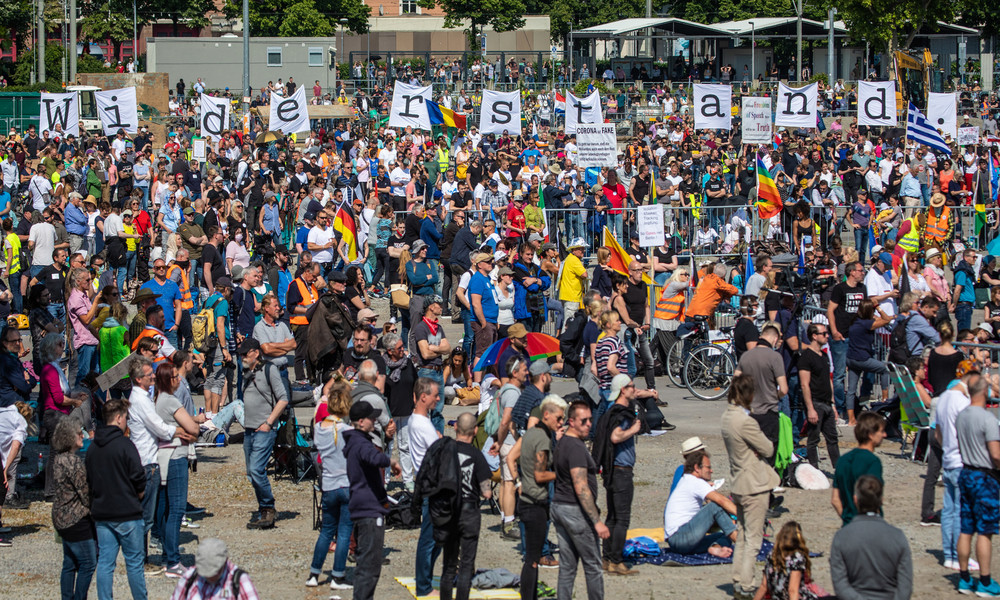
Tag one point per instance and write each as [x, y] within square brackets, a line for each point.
[571, 283]
[129, 242]
[14, 243]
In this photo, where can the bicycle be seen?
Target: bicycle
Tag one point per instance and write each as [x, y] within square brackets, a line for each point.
[708, 367]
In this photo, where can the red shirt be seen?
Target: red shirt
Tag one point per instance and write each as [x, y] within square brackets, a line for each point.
[142, 222]
[515, 218]
[317, 90]
[616, 196]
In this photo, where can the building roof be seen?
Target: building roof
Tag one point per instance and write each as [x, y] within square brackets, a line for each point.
[780, 27]
[670, 26]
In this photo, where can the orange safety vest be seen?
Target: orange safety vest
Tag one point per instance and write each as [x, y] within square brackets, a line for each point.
[149, 333]
[671, 308]
[304, 292]
[937, 226]
[185, 286]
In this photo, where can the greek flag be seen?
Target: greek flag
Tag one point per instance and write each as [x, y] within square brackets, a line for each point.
[919, 130]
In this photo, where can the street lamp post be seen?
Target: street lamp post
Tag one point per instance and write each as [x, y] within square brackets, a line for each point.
[343, 24]
[753, 52]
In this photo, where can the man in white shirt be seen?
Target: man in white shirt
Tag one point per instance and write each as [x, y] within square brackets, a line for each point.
[705, 237]
[571, 150]
[40, 188]
[951, 402]
[398, 178]
[118, 145]
[694, 507]
[422, 435]
[387, 154]
[881, 291]
[11, 174]
[147, 430]
[42, 242]
[321, 242]
[450, 185]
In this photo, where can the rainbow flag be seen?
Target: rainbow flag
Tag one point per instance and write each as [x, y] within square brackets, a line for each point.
[768, 199]
[619, 258]
[345, 223]
[441, 115]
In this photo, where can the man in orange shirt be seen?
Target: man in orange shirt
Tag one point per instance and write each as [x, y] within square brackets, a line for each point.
[711, 291]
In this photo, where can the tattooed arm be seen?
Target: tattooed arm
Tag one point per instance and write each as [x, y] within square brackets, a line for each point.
[587, 501]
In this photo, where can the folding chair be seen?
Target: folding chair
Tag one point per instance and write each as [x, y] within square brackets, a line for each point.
[914, 417]
[294, 454]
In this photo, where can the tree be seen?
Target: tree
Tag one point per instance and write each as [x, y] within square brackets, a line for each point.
[111, 20]
[189, 12]
[302, 19]
[501, 15]
[15, 21]
[272, 18]
[889, 25]
[981, 15]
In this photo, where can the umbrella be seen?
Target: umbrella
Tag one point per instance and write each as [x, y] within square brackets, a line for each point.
[540, 346]
[268, 137]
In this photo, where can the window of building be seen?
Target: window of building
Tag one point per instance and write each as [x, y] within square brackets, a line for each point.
[408, 7]
[274, 56]
[315, 57]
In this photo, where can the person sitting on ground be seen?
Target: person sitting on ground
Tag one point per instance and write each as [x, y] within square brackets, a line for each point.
[788, 571]
[214, 576]
[694, 507]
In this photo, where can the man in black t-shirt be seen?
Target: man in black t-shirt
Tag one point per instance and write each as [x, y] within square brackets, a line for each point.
[845, 298]
[361, 351]
[213, 266]
[395, 246]
[745, 333]
[400, 378]
[817, 393]
[462, 538]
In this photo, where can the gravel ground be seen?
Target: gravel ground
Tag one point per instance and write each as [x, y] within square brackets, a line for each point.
[278, 560]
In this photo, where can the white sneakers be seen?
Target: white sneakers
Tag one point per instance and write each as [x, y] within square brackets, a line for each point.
[953, 565]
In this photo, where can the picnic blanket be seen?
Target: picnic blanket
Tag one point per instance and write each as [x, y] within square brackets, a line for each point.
[502, 594]
[673, 559]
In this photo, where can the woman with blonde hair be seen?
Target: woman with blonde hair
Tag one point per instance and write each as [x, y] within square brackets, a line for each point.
[328, 436]
[601, 282]
[71, 509]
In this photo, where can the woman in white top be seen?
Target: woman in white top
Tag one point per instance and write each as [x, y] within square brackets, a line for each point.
[361, 168]
[505, 299]
[173, 459]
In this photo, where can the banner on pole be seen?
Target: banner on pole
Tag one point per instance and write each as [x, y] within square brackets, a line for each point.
[409, 106]
[582, 111]
[118, 110]
[942, 112]
[796, 107]
[214, 116]
[289, 115]
[500, 112]
[652, 233]
[968, 136]
[756, 125]
[597, 145]
[877, 103]
[59, 109]
[713, 106]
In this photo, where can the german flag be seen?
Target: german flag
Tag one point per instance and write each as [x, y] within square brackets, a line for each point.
[620, 259]
[345, 224]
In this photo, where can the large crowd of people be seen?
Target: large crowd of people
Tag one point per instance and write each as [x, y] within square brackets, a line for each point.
[153, 301]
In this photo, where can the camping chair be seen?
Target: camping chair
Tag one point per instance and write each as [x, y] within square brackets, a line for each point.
[294, 454]
[914, 417]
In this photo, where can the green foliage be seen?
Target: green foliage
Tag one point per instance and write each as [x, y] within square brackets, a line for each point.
[890, 25]
[980, 14]
[86, 63]
[268, 16]
[52, 85]
[15, 21]
[577, 14]
[822, 77]
[580, 89]
[302, 19]
[730, 10]
[110, 20]
[501, 15]
[53, 66]
[187, 12]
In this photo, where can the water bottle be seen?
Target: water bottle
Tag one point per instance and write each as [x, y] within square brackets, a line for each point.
[41, 463]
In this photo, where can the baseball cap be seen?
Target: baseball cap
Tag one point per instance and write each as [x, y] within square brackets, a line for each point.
[237, 273]
[534, 237]
[217, 179]
[363, 410]
[484, 257]
[621, 380]
[886, 258]
[249, 344]
[281, 249]
[189, 211]
[211, 557]
[366, 313]
[539, 367]
[224, 281]
[517, 330]
[338, 277]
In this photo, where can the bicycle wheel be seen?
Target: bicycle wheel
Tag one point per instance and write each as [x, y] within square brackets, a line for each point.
[708, 372]
[675, 363]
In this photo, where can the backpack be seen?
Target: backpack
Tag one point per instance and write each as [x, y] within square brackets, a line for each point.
[899, 349]
[494, 413]
[81, 184]
[237, 574]
[203, 328]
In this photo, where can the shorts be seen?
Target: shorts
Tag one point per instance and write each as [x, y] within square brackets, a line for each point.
[216, 380]
[505, 472]
[484, 336]
[980, 502]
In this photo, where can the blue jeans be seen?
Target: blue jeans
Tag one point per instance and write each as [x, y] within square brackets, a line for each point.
[35, 270]
[861, 243]
[171, 503]
[145, 196]
[427, 553]
[257, 447]
[121, 274]
[574, 225]
[172, 338]
[950, 513]
[963, 315]
[838, 350]
[691, 538]
[149, 500]
[111, 536]
[792, 405]
[79, 562]
[58, 311]
[436, 417]
[131, 260]
[855, 371]
[616, 225]
[229, 413]
[336, 522]
[86, 361]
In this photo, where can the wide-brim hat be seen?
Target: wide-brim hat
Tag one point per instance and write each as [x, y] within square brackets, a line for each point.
[144, 294]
